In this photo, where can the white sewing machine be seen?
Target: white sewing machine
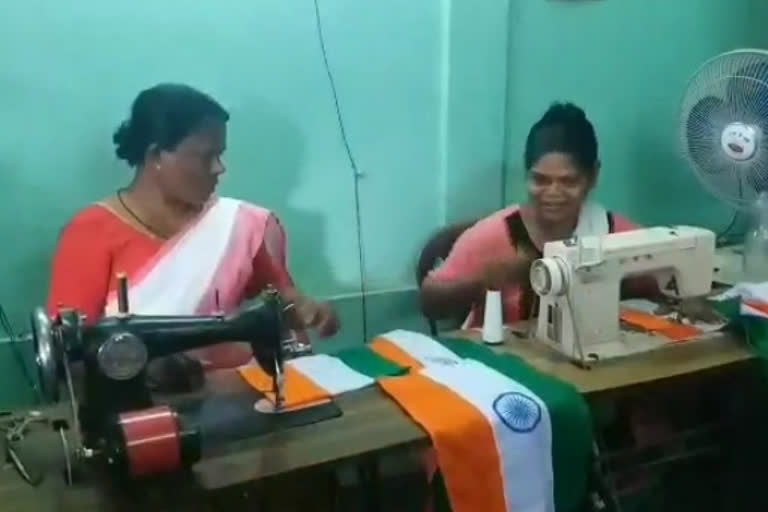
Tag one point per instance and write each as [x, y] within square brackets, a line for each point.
[578, 282]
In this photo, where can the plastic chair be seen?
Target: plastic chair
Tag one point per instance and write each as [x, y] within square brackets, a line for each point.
[436, 250]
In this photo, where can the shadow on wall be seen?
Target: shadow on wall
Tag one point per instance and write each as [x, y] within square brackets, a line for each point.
[268, 154]
[476, 194]
[656, 161]
[268, 146]
[36, 205]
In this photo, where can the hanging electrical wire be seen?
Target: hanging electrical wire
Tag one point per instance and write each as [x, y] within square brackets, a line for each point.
[352, 164]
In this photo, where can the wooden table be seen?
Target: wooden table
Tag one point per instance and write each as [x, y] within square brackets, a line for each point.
[371, 422]
[722, 349]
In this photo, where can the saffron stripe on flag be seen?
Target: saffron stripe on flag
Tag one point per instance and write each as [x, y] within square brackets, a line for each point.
[462, 438]
[298, 389]
[413, 349]
[392, 352]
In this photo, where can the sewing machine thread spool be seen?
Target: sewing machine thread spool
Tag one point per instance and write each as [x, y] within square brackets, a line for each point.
[152, 441]
[122, 294]
[493, 323]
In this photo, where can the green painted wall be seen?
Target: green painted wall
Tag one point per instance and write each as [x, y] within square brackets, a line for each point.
[70, 71]
[627, 63]
[428, 91]
[405, 71]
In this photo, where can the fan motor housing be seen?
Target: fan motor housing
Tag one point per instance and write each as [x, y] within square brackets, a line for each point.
[739, 141]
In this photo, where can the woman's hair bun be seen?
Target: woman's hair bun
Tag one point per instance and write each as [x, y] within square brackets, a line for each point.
[161, 117]
[564, 113]
[124, 143]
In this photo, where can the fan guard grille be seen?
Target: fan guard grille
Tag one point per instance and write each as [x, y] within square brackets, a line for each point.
[724, 125]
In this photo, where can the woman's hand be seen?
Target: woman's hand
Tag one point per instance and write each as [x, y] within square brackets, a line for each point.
[317, 315]
[699, 310]
[498, 274]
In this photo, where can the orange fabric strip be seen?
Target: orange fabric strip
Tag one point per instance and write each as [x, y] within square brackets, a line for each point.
[462, 437]
[760, 306]
[298, 389]
[389, 350]
[658, 325]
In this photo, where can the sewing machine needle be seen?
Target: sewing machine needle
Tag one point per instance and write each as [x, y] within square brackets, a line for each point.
[278, 386]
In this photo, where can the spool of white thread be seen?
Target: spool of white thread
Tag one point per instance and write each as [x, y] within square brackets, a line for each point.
[493, 324]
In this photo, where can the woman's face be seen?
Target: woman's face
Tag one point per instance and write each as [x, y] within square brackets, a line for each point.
[190, 172]
[557, 189]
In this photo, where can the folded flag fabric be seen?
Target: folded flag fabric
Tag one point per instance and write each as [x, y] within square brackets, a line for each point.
[507, 438]
[751, 298]
[315, 378]
[746, 306]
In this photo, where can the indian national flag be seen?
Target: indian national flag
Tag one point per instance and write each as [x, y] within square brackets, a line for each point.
[507, 438]
[315, 378]
[746, 305]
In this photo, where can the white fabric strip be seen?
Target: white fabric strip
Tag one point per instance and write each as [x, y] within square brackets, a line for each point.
[593, 220]
[177, 283]
[525, 447]
[330, 373]
[422, 348]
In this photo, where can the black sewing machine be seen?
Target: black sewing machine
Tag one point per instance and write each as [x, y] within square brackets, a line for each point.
[117, 422]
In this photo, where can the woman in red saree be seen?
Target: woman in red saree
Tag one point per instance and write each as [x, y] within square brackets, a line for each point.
[183, 249]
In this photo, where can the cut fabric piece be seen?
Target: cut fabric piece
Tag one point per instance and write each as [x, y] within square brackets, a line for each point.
[660, 325]
[319, 377]
[507, 438]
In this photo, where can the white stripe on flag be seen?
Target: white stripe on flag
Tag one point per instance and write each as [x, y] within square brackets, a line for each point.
[330, 373]
[422, 348]
[525, 451]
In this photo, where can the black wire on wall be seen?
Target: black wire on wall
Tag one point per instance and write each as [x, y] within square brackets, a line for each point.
[352, 164]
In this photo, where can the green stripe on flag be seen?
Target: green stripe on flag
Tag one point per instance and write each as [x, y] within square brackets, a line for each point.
[754, 328]
[728, 308]
[366, 361]
[569, 413]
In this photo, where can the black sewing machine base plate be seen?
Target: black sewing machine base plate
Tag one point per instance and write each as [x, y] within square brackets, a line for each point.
[232, 417]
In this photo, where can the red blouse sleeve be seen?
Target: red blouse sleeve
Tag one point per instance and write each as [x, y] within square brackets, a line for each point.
[269, 264]
[80, 270]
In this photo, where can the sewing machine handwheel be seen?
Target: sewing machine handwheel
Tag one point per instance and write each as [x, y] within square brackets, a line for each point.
[46, 356]
[549, 276]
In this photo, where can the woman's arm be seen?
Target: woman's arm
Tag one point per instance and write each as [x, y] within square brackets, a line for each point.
[80, 271]
[270, 268]
[447, 298]
[473, 266]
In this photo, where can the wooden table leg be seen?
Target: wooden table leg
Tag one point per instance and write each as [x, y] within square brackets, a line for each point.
[368, 472]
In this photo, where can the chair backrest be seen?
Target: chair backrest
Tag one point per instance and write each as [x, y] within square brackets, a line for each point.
[437, 249]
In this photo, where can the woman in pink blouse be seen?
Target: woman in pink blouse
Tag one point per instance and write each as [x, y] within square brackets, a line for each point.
[562, 167]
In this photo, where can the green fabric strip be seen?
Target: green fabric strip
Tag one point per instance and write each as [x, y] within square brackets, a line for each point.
[366, 361]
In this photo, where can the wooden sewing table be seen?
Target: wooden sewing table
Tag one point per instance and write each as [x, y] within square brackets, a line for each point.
[372, 423]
